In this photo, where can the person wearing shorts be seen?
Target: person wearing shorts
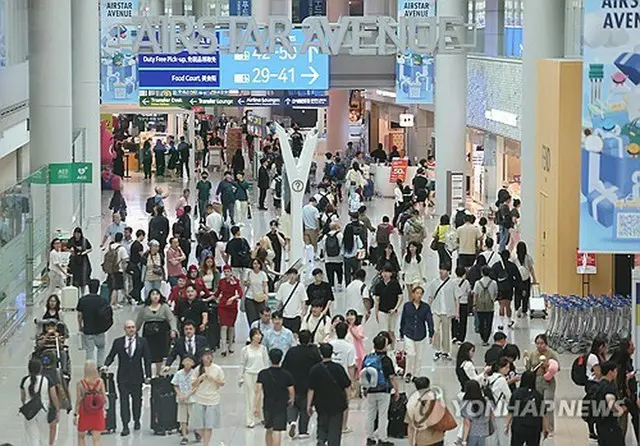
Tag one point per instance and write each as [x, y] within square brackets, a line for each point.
[276, 384]
[387, 296]
[207, 381]
[182, 383]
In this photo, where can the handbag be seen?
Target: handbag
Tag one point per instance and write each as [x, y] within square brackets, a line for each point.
[157, 270]
[32, 407]
[434, 242]
[259, 297]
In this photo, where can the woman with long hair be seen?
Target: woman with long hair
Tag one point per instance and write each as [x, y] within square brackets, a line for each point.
[465, 370]
[388, 257]
[501, 394]
[413, 266]
[256, 291]
[210, 273]
[35, 385]
[158, 324]
[544, 362]
[627, 384]
[79, 263]
[227, 295]
[440, 236]
[526, 408]
[88, 419]
[597, 355]
[351, 243]
[193, 278]
[398, 202]
[476, 417]
[254, 358]
[207, 381]
[524, 262]
[52, 310]
[355, 335]
[58, 261]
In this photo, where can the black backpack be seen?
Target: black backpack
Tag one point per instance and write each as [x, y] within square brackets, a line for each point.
[322, 204]
[105, 321]
[579, 371]
[332, 245]
[150, 204]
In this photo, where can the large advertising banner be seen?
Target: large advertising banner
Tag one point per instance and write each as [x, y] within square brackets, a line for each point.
[118, 66]
[414, 72]
[610, 149]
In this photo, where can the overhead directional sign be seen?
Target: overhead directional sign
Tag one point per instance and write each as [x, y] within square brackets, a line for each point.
[235, 101]
[247, 71]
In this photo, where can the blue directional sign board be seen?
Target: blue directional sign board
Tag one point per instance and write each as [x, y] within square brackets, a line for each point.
[248, 71]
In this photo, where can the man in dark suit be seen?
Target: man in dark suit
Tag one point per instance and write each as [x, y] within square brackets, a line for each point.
[263, 183]
[189, 345]
[134, 369]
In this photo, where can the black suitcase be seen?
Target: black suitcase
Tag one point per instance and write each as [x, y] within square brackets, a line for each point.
[110, 389]
[213, 328]
[164, 408]
[397, 428]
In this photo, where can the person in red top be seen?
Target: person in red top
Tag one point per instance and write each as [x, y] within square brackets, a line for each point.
[228, 295]
[179, 291]
[193, 278]
[89, 413]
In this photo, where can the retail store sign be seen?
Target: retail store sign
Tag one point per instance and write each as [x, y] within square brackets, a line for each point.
[235, 101]
[399, 169]
[503, 117]
[70, 173]
[360, 36]
[586, 263]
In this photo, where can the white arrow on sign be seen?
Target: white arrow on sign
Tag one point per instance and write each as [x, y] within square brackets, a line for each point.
[310, 53]
[241, 101]
[314, 75]
[146, 101]
[193, 101]
[287, 101]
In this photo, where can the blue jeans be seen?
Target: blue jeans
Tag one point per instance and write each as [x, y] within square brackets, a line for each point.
[504, 238]
[97, 342]
[476, 441]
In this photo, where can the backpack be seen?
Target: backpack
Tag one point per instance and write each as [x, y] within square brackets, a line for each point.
[225, 234]
[484, 301]
[150, 204]
[105, 319]
[111, 263]
[372, 374]
[383, 233]
[332, 245]
[338, 171]
[579, 370]
[487, 390]
[501, 274]
[92, 401]
[322, 203]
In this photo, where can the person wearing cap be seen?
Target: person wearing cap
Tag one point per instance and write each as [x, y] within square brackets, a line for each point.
[387, 297]
[207, 381]
[291, 300]
[227, 295]
[320, 291]
[182, 383]
[318, 323]
[416, 324]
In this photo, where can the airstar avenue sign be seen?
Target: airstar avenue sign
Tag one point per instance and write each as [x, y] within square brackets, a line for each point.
[360, 36]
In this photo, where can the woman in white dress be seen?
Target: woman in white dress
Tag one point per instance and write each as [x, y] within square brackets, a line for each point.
[58, 262]
[254, 358]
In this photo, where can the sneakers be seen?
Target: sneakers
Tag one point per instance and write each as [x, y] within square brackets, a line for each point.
[436, 356]
[407, 378]
[519, 314]
[512, 323]
[500, 327]
[303, 436]
[371, 442]
[385, 443]
[184, 440]
[292, 429]
[446, 356]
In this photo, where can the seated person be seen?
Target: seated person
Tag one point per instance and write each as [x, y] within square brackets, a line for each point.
[51, 332]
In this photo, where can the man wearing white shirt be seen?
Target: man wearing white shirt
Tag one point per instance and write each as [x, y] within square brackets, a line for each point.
[213, 222]
[291, 299]
[441, 296]
[489, 252]
[357, 295]
[344, 353]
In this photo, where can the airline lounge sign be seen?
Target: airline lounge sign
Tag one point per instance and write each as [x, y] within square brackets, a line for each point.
[360, 36]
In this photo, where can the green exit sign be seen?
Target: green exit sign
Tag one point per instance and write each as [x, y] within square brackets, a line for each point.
[70, 173]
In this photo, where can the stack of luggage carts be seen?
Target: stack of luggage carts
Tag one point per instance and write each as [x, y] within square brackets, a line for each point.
[575, 321]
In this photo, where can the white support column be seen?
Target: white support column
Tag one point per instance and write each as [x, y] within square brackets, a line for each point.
[156, 7]
[338, 110]
[281, 8]
[50, 110]
[451, 109]
[261, 10]
[376, 8]
[547, 15]
[86, 108]
[177, 7]
[201, 8]
[494, 29]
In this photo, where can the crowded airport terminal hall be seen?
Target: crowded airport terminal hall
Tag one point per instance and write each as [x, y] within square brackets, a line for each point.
[319, 222]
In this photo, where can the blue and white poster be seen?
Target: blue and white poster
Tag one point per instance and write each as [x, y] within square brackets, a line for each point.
[3, 39]
[309, 8]
[240, 8]
[610, 149]
[118, 65]
[414, 72]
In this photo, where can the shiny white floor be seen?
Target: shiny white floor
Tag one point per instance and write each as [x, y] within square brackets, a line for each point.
[13, 358]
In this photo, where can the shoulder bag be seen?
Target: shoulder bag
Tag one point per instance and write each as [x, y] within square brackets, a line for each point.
[32, 407]
[435, 295]
[435, 240]
[445, 424]
[289, 298]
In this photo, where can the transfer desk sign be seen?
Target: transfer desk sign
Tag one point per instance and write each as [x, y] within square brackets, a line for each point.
[610, 149]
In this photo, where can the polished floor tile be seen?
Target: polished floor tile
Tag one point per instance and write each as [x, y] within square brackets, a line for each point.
[13, 357]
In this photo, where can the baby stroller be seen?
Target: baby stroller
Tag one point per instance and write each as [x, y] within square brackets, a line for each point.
[53, 353]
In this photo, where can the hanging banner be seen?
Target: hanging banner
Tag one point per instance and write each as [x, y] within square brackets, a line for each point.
[414, 72]
[240, 8]
[610, 149]
[309, 8]
[399, 167]
[118, 65]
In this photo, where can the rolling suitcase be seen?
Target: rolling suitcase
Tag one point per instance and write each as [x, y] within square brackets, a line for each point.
[69, 298]
[164, 408]
[110, 388]
[537, 304]
[213, 329]
[397, 428]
